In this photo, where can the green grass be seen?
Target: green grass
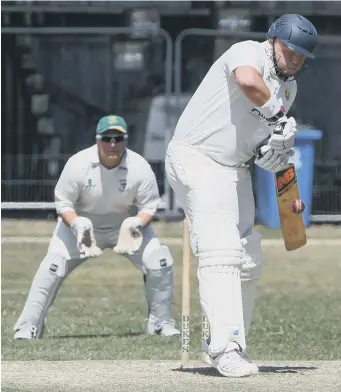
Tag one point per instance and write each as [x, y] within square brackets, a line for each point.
[100, 310]
[44, 228]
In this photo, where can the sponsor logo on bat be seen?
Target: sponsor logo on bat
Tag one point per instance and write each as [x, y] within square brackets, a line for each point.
[285, 179]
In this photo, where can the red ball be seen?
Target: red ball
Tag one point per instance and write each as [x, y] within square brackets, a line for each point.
[297, 207]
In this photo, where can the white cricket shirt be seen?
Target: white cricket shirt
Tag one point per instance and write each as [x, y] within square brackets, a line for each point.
[106, 196]
[220, 120]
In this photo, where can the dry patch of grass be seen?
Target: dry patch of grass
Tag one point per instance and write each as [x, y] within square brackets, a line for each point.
[155, 376]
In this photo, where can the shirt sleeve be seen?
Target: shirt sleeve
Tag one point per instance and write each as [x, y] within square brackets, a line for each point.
[244, 53]
[148, 197]
[68, 187]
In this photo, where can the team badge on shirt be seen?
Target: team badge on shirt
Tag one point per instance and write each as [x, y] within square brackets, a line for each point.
[123, 184]
[287, 94]
[89, 185]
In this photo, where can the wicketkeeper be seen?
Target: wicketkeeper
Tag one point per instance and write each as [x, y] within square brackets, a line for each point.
[106, 197]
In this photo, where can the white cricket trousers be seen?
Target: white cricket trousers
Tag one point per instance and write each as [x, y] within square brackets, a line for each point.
[219, 205]
[217, 200]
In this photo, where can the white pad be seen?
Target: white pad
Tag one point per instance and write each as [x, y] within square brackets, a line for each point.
[159, 258]
[159, 284]
[221, 300]
[221, 247]
[129, 241]
[45, 285]
[252, 256]
[250, 273]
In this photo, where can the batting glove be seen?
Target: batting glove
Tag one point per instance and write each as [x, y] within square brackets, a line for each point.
[270, 160]
[282, 138]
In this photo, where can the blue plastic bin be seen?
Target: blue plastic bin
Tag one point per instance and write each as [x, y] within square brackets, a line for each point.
[267, 212]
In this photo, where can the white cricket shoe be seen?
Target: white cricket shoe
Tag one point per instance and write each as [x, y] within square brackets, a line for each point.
[165, 328]
[230, 364]
[252, 367]
[26, 332]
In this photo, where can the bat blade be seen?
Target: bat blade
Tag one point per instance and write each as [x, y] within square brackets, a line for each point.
[293, 229]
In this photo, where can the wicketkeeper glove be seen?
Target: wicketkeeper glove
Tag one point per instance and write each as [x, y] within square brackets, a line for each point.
[81, 227]
[130, 236]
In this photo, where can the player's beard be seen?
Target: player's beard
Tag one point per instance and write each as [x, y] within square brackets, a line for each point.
[287, 70]
[280, 72]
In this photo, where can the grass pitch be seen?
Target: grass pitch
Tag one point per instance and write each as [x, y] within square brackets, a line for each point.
[44, 228]
[95, 333]
[100, 311]
[165, 376]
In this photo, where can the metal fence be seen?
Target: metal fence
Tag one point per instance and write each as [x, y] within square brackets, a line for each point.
[90, 72]
[71, 77]
[37, 192]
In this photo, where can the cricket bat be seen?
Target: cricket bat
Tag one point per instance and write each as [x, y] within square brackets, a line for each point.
[287, 192]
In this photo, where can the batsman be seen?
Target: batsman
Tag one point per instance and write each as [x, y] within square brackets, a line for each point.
[244, 97]
[106, 197]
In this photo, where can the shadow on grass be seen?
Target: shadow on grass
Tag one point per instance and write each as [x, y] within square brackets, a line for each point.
[208, 371]
[204, 371]
[98, 335]
[285, 369]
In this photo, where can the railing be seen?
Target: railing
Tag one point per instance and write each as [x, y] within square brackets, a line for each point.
[32, 192]
[54, 54]
[31, 178]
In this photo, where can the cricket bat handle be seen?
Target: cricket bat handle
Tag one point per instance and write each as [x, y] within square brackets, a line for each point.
[278, 130]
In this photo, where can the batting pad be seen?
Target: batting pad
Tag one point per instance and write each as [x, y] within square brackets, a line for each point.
[252, 257]
[250, 273]
[221, 300]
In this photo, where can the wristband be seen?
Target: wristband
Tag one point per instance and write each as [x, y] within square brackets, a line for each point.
[272, 110]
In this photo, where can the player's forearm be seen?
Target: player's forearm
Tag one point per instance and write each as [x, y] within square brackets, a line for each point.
[68, 217]
[145, 217]
[250, 81]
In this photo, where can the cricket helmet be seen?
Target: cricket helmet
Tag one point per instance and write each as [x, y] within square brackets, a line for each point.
[296, 32]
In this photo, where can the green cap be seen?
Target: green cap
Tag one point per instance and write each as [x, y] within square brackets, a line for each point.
[112, 122]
